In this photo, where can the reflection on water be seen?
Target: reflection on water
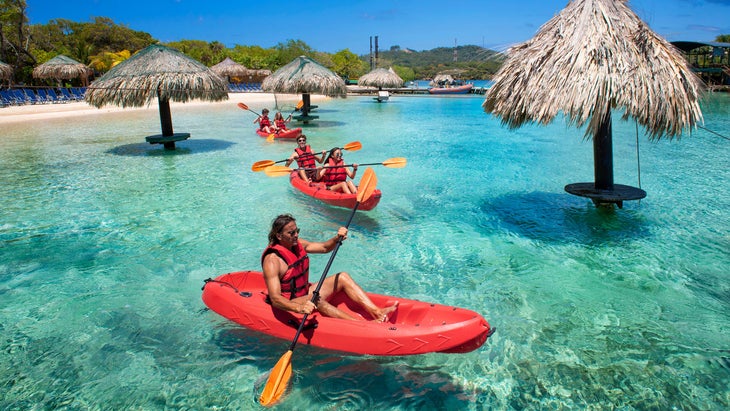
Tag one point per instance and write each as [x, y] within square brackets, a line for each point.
[105, 243]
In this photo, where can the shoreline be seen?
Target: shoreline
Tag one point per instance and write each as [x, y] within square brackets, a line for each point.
[37, 112]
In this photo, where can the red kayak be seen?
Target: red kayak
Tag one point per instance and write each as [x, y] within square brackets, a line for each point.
[337, 199]
[415, 327]
[291, 133]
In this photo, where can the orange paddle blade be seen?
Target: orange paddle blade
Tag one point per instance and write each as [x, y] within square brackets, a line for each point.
[367, 185]
[300, 104]
[353, 146]
[243, 106]
[261, 165]
[277, 171]
[270, 138]
[278, 380]
[396, 162]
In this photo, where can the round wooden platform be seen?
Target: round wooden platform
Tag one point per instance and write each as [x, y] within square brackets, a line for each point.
[167, 141]
[618, 195]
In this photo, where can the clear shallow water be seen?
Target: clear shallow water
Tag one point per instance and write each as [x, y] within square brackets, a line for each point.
[105, 242]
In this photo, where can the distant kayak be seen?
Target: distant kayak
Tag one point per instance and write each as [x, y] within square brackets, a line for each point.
[415, 327]
[335, 198]
[286, 134]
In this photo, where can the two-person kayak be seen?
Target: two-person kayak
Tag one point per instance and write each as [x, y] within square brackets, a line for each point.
[289, 134]
[415, 327]
[319, 191]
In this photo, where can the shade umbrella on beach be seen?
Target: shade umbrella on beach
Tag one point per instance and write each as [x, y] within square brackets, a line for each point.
[157, 72]
[595, 56]
[229, 68]
[441, 79]
[380, 77]
[63, 68]
[306, 76]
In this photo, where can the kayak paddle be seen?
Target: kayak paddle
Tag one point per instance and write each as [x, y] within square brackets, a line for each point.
[261, 165]
[280, 171]
[281, 373]
[245, 107]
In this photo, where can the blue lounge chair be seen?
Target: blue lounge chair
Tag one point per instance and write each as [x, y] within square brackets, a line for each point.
[78, 92]
[32, 96]
[7, 99]
[43, 96]
[56, 97]
[67, 94]
[20, 96]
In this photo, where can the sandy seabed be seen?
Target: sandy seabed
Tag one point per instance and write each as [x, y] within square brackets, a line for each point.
[34, 112]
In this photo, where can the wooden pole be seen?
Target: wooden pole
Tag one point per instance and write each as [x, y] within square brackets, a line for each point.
[603, 155]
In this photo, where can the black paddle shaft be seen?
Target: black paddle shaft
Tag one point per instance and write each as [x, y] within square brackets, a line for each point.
[315, 295]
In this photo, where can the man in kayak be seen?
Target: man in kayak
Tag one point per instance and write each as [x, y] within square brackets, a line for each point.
[286, 272]
[305, 159]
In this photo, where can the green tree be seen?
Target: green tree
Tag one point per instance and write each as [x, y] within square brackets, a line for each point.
[14, 33]
[290, 50]
[723, 38]
[347, 64]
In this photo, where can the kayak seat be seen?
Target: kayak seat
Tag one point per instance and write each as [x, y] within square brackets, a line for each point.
[407, 313]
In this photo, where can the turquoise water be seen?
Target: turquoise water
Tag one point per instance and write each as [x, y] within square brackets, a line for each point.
[105, 242]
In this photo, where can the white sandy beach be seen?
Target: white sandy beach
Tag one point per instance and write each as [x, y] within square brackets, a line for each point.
[36, 112]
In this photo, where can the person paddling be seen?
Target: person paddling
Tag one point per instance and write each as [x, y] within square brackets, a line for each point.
[285, 266]
[280, 122]
[264, 122]
[305, 158]
[334, 173]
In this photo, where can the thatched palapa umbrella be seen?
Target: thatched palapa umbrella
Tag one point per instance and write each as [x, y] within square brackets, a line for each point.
[306, 76]
[63, 68]
[6, 71]
[229, 68]
[157, 72]
[380, 78]
[595, 56]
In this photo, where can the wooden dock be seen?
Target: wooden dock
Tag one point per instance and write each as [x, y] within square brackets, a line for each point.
[371, 91]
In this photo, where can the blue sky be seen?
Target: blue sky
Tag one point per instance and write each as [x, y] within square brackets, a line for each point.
[333, 25]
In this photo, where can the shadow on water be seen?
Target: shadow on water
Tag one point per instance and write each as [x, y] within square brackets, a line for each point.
[563, 218]
[337, 215]
[348, 381]
[320, 124]
[182, 148]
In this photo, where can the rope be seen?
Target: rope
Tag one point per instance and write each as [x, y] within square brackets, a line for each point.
[710, 131]
[638, 159]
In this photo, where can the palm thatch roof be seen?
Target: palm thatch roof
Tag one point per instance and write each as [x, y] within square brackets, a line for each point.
[229, 68]
[380, 77]
[304, 75]
[6, 71]
[62, 68]
[441, 78]
[156, 72]
[594, 56]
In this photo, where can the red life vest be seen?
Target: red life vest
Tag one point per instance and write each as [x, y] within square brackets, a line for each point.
[336, 174]
[280, 124]
[295, 282]
[305, 157]
[264, 122]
